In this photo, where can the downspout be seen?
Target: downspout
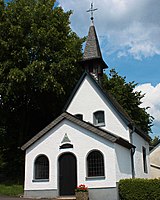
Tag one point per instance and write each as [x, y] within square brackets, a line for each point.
[132, 150]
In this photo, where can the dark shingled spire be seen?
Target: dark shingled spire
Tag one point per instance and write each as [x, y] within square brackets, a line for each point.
[92, 49]
[92, 57]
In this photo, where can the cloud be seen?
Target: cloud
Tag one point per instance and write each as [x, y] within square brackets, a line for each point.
[127, 27]
[152, 100]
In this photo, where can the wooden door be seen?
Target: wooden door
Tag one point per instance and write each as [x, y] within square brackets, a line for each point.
[67, 174]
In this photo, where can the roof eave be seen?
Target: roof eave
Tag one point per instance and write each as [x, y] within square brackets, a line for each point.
[90, 127]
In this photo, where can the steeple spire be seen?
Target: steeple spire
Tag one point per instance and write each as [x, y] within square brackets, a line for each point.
[92, 57]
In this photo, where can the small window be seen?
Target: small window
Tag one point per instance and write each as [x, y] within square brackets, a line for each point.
[144, 160]
[95, 164]
[98, 118]
[79, 116]
[41, 167]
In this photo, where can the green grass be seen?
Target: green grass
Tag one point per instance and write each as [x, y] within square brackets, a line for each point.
[11, 190]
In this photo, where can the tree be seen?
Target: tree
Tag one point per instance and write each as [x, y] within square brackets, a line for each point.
[37, 58]
[129, 99]
[154, 142]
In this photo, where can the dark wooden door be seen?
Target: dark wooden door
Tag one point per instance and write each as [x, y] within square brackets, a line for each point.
[67, 174]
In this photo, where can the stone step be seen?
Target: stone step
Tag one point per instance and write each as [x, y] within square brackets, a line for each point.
[66, 198]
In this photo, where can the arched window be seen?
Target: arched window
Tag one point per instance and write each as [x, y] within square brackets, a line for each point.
[41, 167]
[79, 116]
[95, 164]
[98, 118]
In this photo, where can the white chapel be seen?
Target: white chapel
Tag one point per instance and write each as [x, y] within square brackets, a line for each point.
[93, 142]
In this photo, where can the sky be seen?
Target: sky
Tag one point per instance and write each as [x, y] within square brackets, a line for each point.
[129, 37]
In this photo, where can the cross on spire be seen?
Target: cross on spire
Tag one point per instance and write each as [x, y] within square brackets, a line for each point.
[91, 10]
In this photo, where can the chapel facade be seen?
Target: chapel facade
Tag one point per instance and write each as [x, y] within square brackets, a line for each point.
[93, 142]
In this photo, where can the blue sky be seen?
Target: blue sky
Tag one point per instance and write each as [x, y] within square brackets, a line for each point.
[129, 36]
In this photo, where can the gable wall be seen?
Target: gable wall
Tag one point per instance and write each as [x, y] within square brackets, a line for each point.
[155, 156]
[88, 99]
[83, 142]
[139, 142]
[155, 162]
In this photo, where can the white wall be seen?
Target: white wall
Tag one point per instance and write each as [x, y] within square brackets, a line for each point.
[155, 162]
[83, 142]
[123, 163]
[155, 156]
[88, 99]
[139, 142]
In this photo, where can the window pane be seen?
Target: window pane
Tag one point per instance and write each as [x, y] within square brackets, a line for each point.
[79, 116]
[99, 118]
[144, 160]
[95, 164]
[42, 168]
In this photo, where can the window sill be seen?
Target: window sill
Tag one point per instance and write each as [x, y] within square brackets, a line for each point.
[40, 180]
[100, 124]
[95, 178]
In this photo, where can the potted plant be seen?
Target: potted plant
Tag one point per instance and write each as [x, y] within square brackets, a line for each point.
[81, 192]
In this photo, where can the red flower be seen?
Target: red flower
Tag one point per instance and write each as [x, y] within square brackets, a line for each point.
[81, 188]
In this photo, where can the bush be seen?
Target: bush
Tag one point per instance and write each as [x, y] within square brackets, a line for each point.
[139, 189]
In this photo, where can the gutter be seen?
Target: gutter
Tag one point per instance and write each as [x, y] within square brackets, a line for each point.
[132, 150]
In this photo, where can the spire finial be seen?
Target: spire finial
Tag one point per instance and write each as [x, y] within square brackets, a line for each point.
[92, 10]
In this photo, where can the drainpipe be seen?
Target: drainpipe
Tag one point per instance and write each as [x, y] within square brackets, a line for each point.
[132, 150]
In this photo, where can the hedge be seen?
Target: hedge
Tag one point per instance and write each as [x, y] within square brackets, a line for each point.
[139, 189]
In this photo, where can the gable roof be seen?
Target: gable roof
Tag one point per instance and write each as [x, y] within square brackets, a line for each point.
[88, 126]
[121, 112]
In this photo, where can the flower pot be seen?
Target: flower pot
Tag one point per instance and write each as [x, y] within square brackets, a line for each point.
[81, 195]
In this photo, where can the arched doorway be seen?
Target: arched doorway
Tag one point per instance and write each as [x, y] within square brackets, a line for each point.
[67, 174]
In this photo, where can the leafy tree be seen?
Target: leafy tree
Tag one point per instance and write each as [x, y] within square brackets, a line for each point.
[38, 69]
[129, 99]
[154, 141]
[37, 58]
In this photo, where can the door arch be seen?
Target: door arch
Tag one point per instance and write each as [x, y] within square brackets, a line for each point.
[67, 174]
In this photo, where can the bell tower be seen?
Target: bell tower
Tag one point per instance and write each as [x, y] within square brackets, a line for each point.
[92, 57]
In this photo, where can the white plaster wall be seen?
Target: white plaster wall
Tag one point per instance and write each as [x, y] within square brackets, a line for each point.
[155, 172]
[123, 163]
[155, 156]
[83, 142]
[139, 142]
[88, 99]
[155, 161]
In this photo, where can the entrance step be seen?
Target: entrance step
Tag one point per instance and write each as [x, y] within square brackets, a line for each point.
[66, 198]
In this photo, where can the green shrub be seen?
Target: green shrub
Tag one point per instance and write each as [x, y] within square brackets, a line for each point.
[139, 189]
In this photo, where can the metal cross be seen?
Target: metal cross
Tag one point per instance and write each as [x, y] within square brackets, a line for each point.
[92, 10]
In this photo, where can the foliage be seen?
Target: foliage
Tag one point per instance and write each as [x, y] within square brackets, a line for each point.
[81, 188]
[11, 190]
[38, 68]
[139, 189]
[129, 99]
[154, 142]
[39, 54]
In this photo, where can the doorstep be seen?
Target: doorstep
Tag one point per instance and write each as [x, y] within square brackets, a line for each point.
[66, 198]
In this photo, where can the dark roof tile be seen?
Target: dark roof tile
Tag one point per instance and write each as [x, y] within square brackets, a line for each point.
[92, 48]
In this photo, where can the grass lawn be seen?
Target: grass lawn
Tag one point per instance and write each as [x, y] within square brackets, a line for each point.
[11, 190]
